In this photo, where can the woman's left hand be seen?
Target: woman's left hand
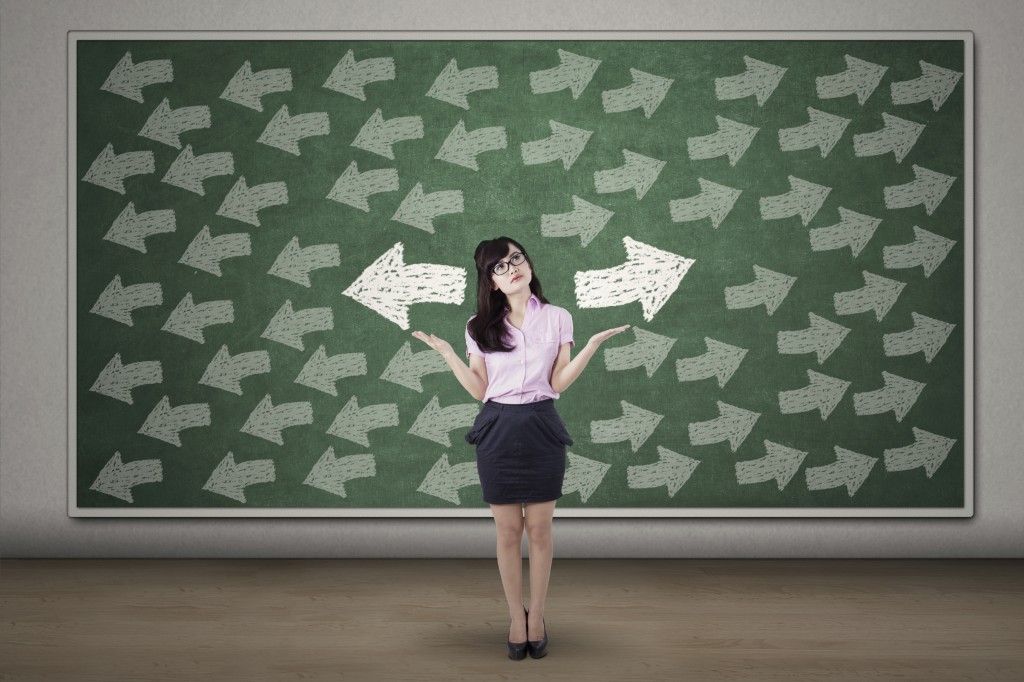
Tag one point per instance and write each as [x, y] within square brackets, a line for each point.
[599, 338]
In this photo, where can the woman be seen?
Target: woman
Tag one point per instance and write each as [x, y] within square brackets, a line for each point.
[519, 362]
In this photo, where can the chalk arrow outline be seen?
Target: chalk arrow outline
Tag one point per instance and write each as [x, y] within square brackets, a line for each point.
[860, 78]
[586, 220]
[649, 275]
[117, 380]
[389, 286]
[850, 469]
[573, 72]
[351, 76]
[117, 478]
[248, 88]
[331, 473]
[127, 78]
[779, 465]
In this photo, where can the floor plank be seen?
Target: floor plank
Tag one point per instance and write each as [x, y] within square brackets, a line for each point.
[426, 619]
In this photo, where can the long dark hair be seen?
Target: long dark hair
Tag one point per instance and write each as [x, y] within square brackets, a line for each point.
[488, 328]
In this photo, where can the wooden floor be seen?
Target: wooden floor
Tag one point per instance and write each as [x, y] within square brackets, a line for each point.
[424, 619]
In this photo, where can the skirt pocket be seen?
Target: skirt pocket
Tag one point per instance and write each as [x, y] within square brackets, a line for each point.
[555, 427]
[483, 422]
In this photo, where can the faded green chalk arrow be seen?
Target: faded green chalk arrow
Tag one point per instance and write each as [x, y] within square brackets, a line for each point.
[230, 479]
[109, 170]
[189, 171]
[354, 423]
[288, 326]
[769, 289]
[878, 294]
[934, 83]
[927, 250]
[248, 88]
[127, 79]
[823, 393]
[565, 143]
[733, 424]
[779, 465]
[573, 71]
[166, 125]
[860, 78]
[760, 80]
[850, 469]
[445, 480]
[205, 252]
[188, 319]
[585, 220]
[648, 351]
[284, 131]
[823, 337]
[131, 229]
[714, 201]
[322, 372]
[928, 450]
[331, 473]
[635, 425]
[226, 371]
[452, 85]
[638, 173]
[434, 422]
[672, 470]
[350, 76]
[732, 140]
[721, 361]
[243, 203]
[926, 336]
[462, 147]
[898, 395]
[853, 229]
[407, 368]
[295, 263]
[804, 199]
[418, 209]
[117, 302]
[583, 475]
[822, 131]
[117, 380]
[646, 91]
[166, 423]
[117, 478]
[897, 136]
[927, 187]
[267, 420]
[378, 136]
[353, 187]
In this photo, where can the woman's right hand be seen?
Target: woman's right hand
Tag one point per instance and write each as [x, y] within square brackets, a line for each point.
[437, 343]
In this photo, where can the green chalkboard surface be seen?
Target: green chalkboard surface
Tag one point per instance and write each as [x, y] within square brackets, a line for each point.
[258, 226]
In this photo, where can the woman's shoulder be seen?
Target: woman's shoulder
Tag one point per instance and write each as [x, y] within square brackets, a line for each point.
[553, 309]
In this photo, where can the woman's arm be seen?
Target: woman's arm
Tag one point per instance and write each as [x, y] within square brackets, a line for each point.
[566, 371]
[473, 378]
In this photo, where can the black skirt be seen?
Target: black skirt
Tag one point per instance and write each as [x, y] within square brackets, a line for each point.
[520, 451]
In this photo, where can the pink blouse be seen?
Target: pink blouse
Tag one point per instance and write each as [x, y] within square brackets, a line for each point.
[523, 375]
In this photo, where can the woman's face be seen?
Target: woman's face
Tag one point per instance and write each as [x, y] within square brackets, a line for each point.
[516, 278]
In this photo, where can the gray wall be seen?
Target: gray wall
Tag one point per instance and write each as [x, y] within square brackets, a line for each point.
[33, 280]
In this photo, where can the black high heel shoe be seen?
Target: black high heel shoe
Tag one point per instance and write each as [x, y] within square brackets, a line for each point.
[538, 648]
[517, 650]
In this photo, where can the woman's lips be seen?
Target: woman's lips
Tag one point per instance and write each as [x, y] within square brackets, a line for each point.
[517, 278]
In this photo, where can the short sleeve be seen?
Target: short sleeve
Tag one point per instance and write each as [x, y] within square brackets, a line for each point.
[471, 346]
[565, 328]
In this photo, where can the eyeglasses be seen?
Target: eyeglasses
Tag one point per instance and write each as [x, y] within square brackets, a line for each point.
[501, 267]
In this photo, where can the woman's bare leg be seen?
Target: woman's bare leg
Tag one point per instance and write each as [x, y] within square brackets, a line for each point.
[508, 522]
[538, 532]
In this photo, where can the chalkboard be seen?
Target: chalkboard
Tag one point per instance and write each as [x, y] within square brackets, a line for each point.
[257, 224]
